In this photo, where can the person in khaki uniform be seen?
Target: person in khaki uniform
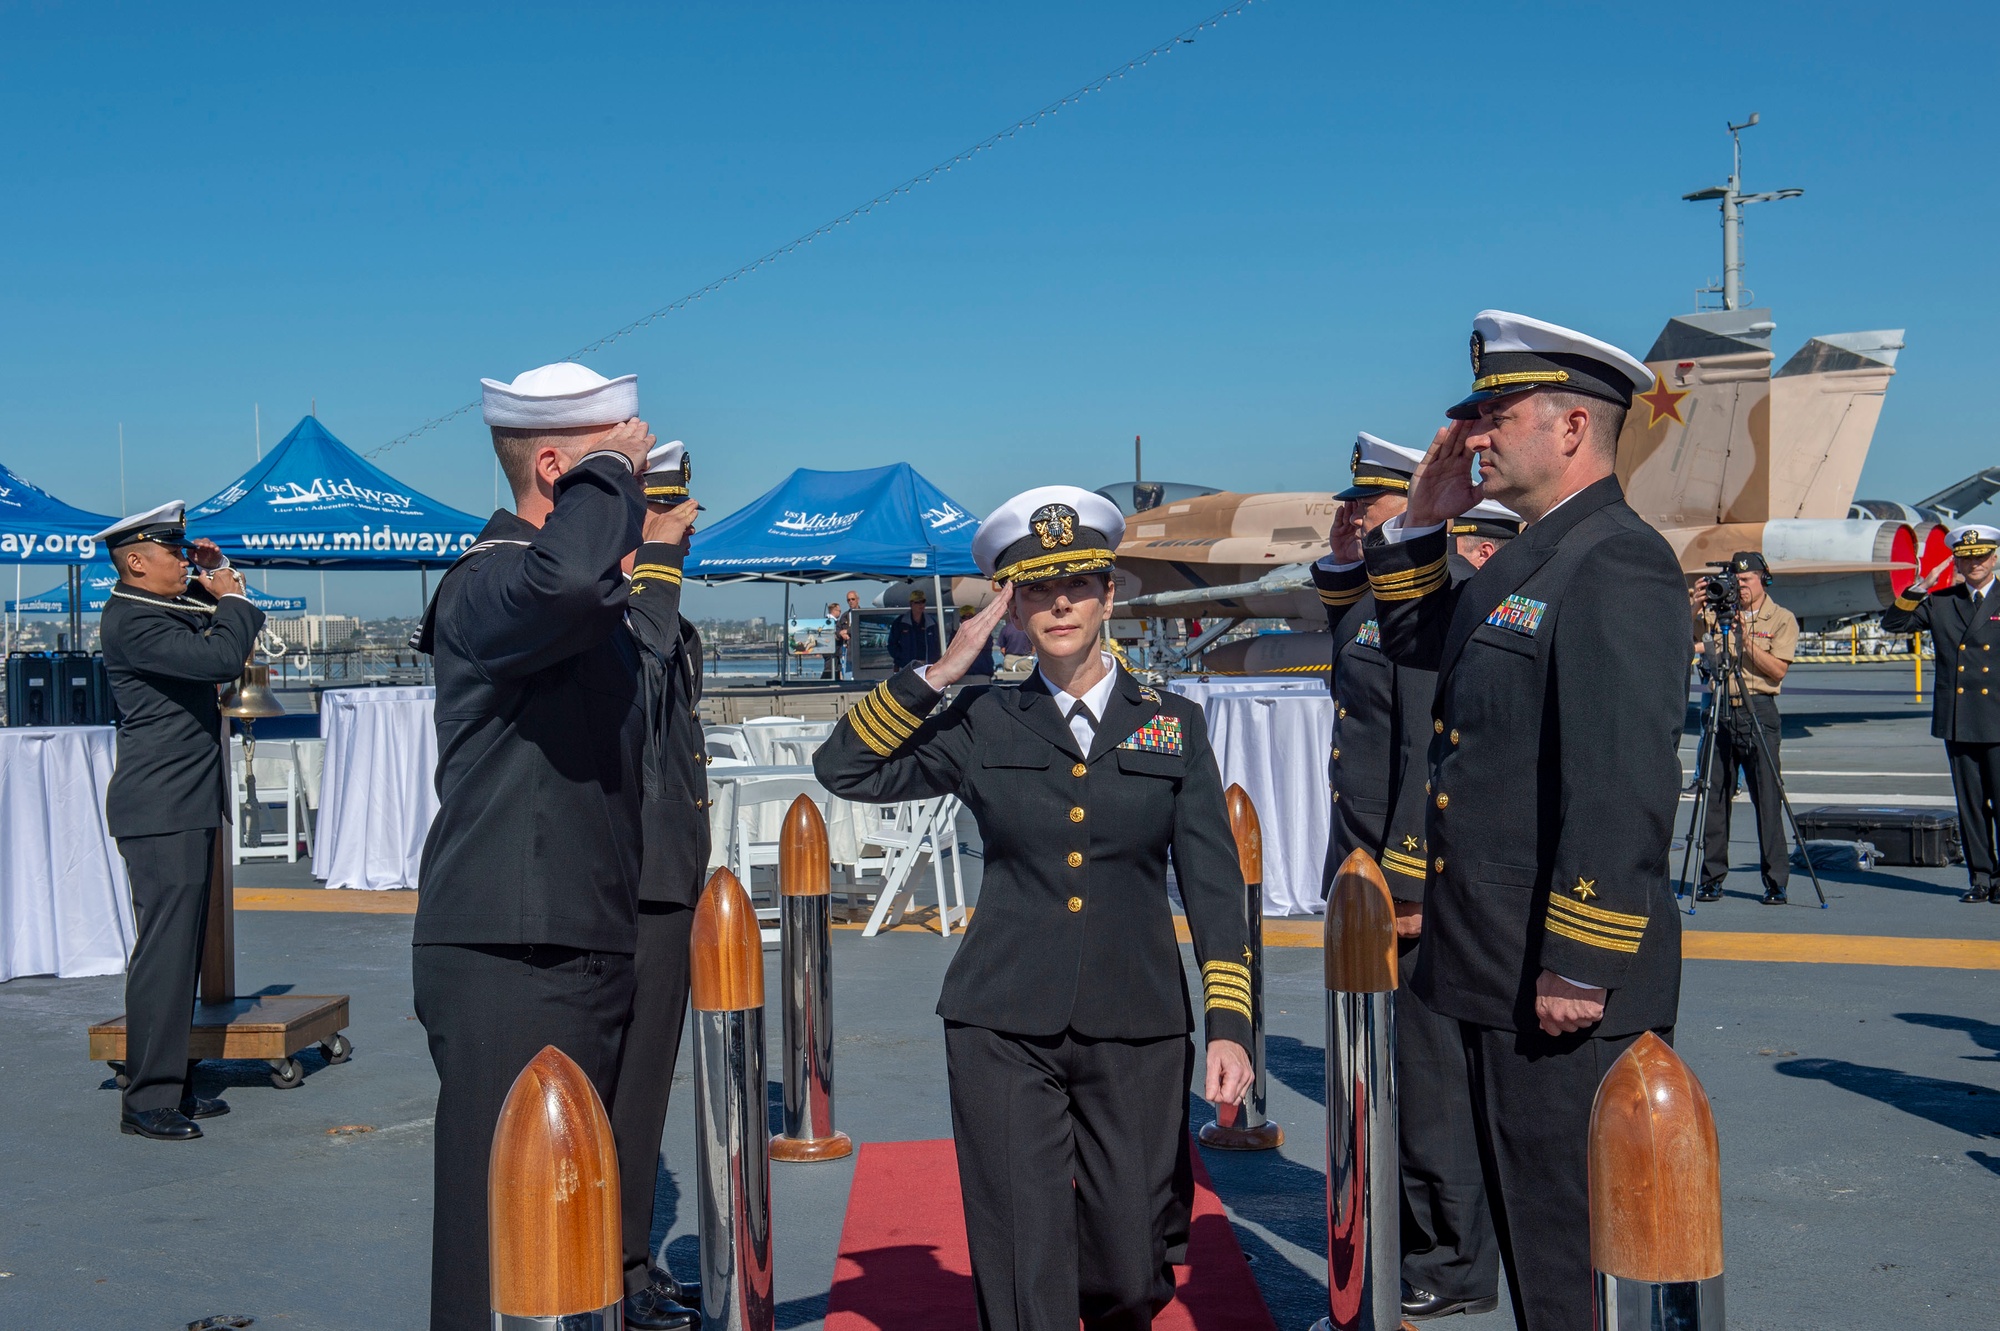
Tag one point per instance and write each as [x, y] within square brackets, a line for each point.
[1765, 640]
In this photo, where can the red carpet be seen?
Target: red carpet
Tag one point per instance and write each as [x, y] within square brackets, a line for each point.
[903, 1263]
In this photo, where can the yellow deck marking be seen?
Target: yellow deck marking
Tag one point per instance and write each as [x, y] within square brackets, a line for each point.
[1977, 954]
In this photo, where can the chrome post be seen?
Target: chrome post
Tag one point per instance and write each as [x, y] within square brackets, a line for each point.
[1363, 1219]
[735, 1171]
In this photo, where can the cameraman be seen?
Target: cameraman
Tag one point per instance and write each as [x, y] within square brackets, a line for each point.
[1763, 639]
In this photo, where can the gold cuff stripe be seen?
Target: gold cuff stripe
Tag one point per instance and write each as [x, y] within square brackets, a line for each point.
[1409, 865]
[1237, 995]
[1556, 926]
[1344, 597]
[1615, 918]
[1226, 968]
[884, 724]
[1221, 981]
[867, 734]
[893, 709]
[1414, 591]
[657, 573]
[1905, 603]
[1520, 377]
[1408, 575]
[1228, 1005]
[1086, 560]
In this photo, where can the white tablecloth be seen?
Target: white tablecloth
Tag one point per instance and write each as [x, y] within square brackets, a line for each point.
[1274, 744]
[65, 907]
[377, 790]
[1201, 690]
[783, 740]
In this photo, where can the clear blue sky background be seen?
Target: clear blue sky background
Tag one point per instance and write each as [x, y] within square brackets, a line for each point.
[1245, 252]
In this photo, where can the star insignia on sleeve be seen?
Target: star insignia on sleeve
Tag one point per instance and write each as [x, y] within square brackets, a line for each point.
[1247, 957]
[1662, 404]
[1409, 843]
[1585, 888]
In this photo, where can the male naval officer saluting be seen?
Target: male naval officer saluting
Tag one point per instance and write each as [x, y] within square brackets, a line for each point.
[1550, 933]
[1066, 1010]
[528, 914]
[1964, 623]
[167, 644]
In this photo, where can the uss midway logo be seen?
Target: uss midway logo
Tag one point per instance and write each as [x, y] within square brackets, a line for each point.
[946, 514]
[799, 523]
[290, 494]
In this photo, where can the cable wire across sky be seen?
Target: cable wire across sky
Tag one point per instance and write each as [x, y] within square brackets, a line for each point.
[994, 140]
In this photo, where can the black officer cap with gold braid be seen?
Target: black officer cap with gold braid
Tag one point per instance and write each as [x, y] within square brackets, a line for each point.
[1052, 531]
[1973, 540]
[1512, 353]
[1380, 467]
[1488, 518]
[667, 474]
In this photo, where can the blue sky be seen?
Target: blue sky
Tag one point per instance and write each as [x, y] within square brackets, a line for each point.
[1245, 252]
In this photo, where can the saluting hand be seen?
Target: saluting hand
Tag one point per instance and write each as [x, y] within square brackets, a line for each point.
[1345, 536]
[1229, 1073]
[970, 641]
[633, 438]
[204, 553]
[1442, 487]
[669, 526]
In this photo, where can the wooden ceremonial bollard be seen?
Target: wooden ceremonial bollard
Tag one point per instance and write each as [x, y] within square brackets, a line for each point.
[726, 984]
[1655, 1196]
[1363, 1170]
[805, 878]
[553, 1231]
[1243, 1127]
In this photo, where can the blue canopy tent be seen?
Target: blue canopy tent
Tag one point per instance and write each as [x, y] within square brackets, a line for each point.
[36, 528]
[99, 579]
[313, 502]
[824, 526]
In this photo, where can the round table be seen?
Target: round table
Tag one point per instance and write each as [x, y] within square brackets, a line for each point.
[378, 788]
[65, 906]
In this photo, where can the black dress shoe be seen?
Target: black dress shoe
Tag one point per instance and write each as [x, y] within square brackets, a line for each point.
[687, 1293]
[196, 1107]
[651, 1310]
[1709, 892]
[1420, 1305]
[1979, 893]
[162, 1125]
[1773, 897]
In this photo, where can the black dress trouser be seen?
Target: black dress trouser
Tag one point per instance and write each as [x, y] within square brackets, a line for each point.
[1448, 1243]
[1975, 780]
[487, 1011]
[1737, 747]
[646, 1072]
[169, 878]
[1070, 1156]
[1531, 1099]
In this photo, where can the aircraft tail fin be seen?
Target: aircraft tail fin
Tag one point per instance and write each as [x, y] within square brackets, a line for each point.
[1695, 449]
[1825, 402]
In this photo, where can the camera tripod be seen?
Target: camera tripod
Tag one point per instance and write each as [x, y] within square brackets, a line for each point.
[1728, 670]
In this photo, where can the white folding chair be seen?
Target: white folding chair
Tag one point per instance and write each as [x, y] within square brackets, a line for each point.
[906, 834]
[750, 849]
[277, 787]
[308, 761]
[727, 743]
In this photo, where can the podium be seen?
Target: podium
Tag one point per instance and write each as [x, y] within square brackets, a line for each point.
[274, 1028]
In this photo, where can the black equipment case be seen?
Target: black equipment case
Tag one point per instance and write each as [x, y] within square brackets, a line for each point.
[1920, 838]
[59, 689]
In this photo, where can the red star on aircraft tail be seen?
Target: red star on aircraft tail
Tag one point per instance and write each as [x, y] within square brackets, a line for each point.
[1663, 403]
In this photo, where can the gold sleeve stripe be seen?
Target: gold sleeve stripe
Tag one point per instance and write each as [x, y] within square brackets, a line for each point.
[1904, 602]
[656, 572]
[1598, 913]
[1228, 1005]
[902, 725]
[1403, 577]
[1345, 597]
[1556, 926]
[1225, 982]
[1225, 968]
[1408, 865]
[867, 718]
[870, 736]
[1414, 591]
[895, 710]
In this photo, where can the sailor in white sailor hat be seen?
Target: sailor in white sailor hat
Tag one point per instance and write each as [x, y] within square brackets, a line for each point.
[1963, 620]
[528, 921]
[1549, 930]
[1066, 1013]
[167, 643]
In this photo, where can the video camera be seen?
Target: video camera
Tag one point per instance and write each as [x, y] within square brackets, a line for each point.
[1720, 593]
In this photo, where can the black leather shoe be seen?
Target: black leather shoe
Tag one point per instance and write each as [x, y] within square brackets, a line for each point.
[196, 1107]
[1709, 892]
[1420, 1305]
[1773, 897]
[651, 1310]
[1979, 894]
[162, 1125]
[687, 1293]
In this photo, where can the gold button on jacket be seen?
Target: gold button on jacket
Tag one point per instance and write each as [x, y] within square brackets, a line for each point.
[1076, 859]
[1076, 813]
[1075, 904]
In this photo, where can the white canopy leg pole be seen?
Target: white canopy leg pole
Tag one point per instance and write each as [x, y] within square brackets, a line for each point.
[944, 638]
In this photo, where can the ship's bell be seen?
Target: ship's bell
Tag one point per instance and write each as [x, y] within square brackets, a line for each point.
[250, 697]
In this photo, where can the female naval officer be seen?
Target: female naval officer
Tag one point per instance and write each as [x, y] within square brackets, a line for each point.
[1066, 1009]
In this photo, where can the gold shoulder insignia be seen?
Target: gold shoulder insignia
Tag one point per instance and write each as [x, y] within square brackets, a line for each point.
[1149, 695]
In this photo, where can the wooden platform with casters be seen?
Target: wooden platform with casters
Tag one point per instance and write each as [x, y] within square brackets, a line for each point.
[273, 1027]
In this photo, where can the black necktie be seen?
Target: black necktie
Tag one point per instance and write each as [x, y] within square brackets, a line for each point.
[1082, 709]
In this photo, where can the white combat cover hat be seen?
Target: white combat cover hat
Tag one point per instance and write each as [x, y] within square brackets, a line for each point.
[560, 396]
[1051, 531]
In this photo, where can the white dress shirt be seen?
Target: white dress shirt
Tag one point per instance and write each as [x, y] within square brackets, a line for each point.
[1096, 698]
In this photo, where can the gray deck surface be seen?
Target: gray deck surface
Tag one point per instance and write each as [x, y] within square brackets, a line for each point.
[1858, 1106]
